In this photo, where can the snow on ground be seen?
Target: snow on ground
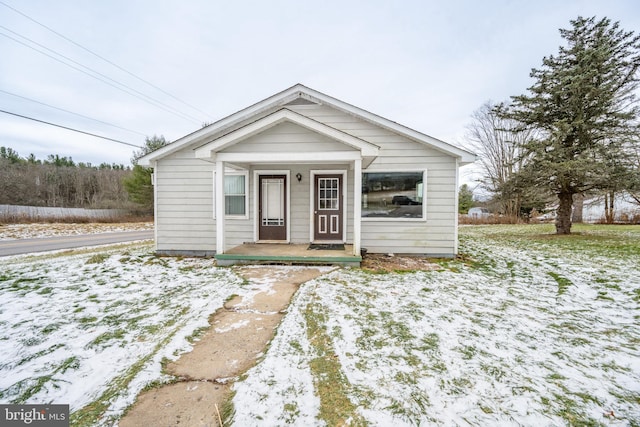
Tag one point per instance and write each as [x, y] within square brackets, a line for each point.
[529, 330]
[523, 330]
[280, 390]
[95, 326]
[36, 230]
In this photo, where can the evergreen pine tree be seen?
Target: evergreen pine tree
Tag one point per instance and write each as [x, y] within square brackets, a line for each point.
[465, 199]
[139, 185]
[584, 107]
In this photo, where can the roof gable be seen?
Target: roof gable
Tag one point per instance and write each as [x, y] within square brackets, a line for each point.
[297, 95]
[285, 115]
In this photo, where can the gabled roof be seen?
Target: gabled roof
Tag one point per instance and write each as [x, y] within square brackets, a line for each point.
[281, 116]
[301, 93]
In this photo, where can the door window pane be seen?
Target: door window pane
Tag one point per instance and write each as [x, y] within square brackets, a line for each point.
[273, 202]
[328, 194]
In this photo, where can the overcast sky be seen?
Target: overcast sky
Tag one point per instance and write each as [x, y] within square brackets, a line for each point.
[425, 64]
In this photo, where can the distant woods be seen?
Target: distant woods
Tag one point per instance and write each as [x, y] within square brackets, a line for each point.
[60, 182]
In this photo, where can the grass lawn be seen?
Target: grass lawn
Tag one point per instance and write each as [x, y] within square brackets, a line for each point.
[90, 328]
[525, 328]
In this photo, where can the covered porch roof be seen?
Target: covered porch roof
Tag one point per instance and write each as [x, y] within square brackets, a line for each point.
[358, 154]
[215, 149]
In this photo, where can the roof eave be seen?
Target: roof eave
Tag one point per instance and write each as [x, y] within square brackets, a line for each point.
[279, 98]
[442, 146]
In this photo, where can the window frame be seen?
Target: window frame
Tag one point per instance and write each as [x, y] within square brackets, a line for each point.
[423, 218]
[244, 173]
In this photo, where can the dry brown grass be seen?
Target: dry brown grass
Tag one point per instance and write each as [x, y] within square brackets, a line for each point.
[382, 263]
[491, 219]
[116, 219]
[44, 229]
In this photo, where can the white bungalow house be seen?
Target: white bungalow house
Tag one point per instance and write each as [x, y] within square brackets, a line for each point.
[301, 168]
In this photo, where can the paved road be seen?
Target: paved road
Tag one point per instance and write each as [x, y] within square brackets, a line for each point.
[24, 246]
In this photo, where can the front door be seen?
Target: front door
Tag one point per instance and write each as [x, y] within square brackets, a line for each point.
[272, 209]
[328, 209]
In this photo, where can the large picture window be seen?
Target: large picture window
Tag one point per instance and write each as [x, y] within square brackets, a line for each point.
[393, 194]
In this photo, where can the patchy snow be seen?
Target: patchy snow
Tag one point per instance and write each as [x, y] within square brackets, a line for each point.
[531, 332]
[237, 325]
[521, 331]
[37, 230]
[280, 390]
[73, 328]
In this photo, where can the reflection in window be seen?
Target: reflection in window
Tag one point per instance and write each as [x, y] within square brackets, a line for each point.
[392, 194]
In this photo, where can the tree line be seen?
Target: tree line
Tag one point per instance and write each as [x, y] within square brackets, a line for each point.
[58, 181]
[574, 134]
[61, 182]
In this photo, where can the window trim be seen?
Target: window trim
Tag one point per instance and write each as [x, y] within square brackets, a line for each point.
[245, 173]
[399, 219]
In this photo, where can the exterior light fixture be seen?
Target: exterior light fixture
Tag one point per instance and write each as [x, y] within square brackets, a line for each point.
[299, 176]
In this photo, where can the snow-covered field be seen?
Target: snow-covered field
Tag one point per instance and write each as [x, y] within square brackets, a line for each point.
[35, 230]
[95, 326]
[525, 329]
[531, 330]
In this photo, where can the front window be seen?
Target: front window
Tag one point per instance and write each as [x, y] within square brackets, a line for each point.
[393, 194]
[234, 195]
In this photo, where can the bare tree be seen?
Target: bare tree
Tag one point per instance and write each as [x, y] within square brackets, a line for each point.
[498, 143]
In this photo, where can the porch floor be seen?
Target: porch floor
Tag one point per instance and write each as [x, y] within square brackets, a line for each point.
[267, 253]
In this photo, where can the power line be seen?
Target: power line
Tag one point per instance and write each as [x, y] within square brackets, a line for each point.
[71, 112]
[149, 99]
[105, 59]
[71, 129]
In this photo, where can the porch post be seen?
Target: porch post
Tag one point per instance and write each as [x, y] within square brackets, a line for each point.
[357, 205]
[219, 191]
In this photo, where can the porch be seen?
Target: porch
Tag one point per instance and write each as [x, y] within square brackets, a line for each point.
[265, 253]
[275, 148]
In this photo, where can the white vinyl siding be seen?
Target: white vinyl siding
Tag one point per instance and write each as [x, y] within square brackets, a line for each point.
[287, 138]
[184, 204]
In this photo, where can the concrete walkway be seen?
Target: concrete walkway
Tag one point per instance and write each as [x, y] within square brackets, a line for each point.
[238, 336]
